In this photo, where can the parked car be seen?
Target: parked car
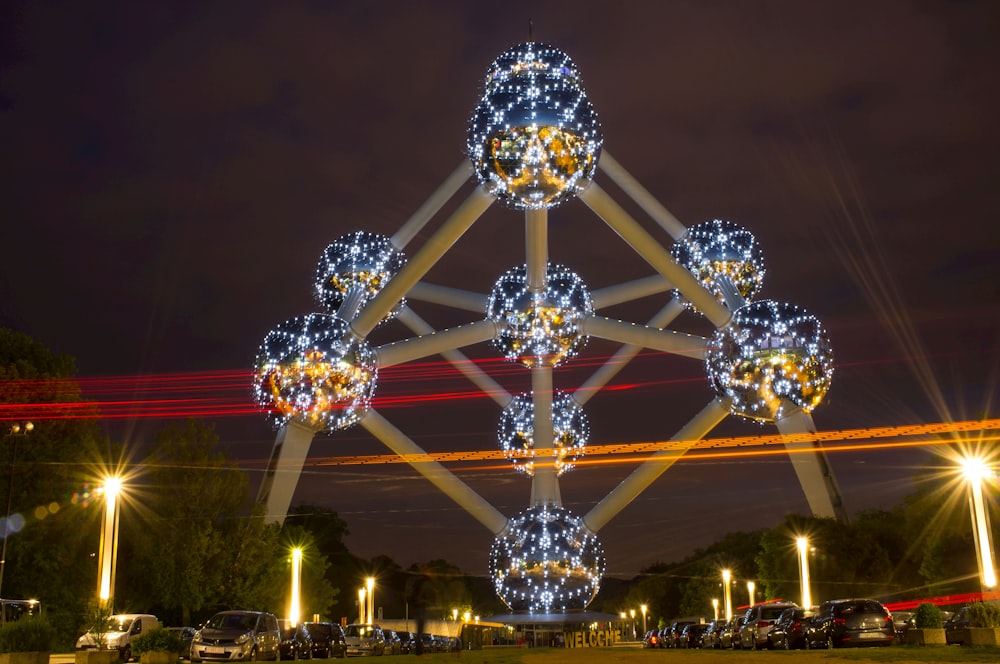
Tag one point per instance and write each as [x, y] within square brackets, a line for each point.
[729, 637]
[691, 635]
[237, 635]
[118, 633]
[296, 643]
[789, 631]
[955, 625]
[393, 644]
[850, 622]
[186, 634]
[664, 635]
[902, 621]
[710, 639]
[673, 639]
[759, 619]
[364, 639]
[651, 639]
[328, 639]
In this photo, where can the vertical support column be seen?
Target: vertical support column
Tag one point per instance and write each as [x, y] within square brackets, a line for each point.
[291, 447]
[544, 484]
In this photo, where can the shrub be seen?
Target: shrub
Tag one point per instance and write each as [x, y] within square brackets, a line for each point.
[29, 634]
[982, 614]
[158, 638]
[928, 616]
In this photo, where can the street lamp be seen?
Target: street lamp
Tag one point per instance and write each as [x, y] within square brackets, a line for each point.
[803, 546]
[109, 541]
[727, 593]
[370, 582]
[715, 607]
[751, 587]
[632, 611]
[16, 431]
[361, 606]
[454, 614]
[643, 609]
[294, 611]
[976, 470]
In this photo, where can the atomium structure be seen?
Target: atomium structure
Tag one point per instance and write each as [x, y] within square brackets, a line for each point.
[534, 142]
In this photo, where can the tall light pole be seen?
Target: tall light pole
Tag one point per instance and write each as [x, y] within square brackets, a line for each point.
[362, 605]
[16, 431]
[294, 609]
[803, 545]
[643, 608]
[370, 583]
[975, 471]
[632, 611]
[109, 541]
[727, 593]
[751, 588]
[715, 607]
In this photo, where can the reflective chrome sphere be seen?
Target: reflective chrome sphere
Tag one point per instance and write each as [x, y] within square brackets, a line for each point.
[517, 428]
[357, 264]
[305, 370]
[534, 140]
[721, 249]
[546, 560]
[540, 329]
[770, 352]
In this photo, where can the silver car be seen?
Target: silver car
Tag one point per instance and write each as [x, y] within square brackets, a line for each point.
[237, 636]
[364, 640]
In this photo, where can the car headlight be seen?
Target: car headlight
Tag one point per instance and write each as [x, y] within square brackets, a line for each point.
[196, 638]
[243, 638]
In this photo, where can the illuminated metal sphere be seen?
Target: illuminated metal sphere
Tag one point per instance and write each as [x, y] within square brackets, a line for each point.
[308, 369]
[540, 329]
[356, 266]
[534, 140]
[517, 428]
[769, 353]
[720, 248]
[546, 560]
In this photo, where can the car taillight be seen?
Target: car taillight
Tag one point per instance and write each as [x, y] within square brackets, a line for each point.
[764, 623]
[652, 640]
[839, 621]
[796, 625]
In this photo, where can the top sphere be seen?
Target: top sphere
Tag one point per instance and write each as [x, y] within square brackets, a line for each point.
[534, 139]
[719, 250]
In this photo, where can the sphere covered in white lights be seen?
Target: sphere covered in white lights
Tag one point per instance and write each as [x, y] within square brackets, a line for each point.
[354, 268]
[717, 250]
[546, 560]
[570, 432]
[534, 140]
[769, 356]
[539, 329]
[309, 369]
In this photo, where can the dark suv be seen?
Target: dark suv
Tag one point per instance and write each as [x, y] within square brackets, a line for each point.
[237, 636]
[759, 619]
[850, 622]
[328, 639]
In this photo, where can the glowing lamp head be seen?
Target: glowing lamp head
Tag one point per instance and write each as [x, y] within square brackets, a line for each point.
[770, 353]
[546, 560]
[517, 426]
[358, 265]
[716, 250]
[310, 369]
[534, 139]
[539, 329]
[112, 487]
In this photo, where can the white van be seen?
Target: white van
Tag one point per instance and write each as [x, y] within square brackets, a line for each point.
[118, 633]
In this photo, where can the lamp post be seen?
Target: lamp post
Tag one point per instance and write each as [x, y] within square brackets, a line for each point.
[16, 431]
[361, 606]
[109, 541]
[727, 593]
[803, 545]
[715, 607]
[632, 611]
[643, 609]
[751, 587]
[370, 582]
[975, 471]
[294, 609]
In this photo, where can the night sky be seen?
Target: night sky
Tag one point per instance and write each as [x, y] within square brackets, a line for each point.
[173, 171]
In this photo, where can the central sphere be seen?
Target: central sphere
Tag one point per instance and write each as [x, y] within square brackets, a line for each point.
[546, 560]
[770, 353]
[517, 432]
[534, 140]
[539, 329]
[308, 369]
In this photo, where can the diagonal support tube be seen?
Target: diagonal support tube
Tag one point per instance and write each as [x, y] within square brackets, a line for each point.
[654, 338]
[291, 447]
[641, 196]
[435, 343]
[811, 465]
[455, 298]
[432, 250]
[432, 205]
[631, 290]
[658, 257]
[439, 476]
[656, 465]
